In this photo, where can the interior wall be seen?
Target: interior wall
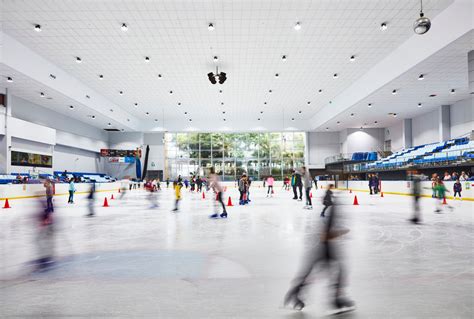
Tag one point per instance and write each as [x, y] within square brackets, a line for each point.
[156, 158]
[320, 146]
[462, 117]
[77, 160]
[23, 145]
[124, 141]
[394, 133]
[366, 140]
[425, 128]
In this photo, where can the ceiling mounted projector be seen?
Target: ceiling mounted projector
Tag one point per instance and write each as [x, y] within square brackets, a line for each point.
[217, 77]
[422, 24]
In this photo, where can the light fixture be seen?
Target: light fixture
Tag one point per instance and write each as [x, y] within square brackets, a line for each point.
[93, 117]
[71, 107]
[394, 92]
[258, 119]
[136, 104]
[277, 75]
[216, 58]
[124, 27]
[265, 103]
[190, 120]
[156, 120]
[261, 112]
[309, 102]
[224, 120]
[211, 27]
[335, 75]
[383, 26]
[270, 91]
[369, 105]
[352, 114]
[88, 96]
[223, 112]
[179, 103]
[283, 57]
[121, 92]
[185, 113]
[338, 122]
[352, 58]
[220, 91]
[300, 112]
[375, 122]
[292, 118]
[297, 26]
[421, 77]
[9, 79]
[171, 92]
[160, 76]
[453, 91]
[111, 110]
[434, 95]
[109, 124]
[147, 113]
[147, 59]
[78, 60]
[37, 28]
[320, 91]
[101, 76]
[422, 24]
[42, 94]
[128, 120]
[420, 105]
[327, 128]
[394, 114]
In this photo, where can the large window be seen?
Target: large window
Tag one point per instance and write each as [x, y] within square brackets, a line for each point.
[256, 154]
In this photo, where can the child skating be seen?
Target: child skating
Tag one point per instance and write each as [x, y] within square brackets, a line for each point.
[327, 200]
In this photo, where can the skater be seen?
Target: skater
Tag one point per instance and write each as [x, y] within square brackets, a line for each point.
[327, 200]
[270, 180]
[243, 189]
[219, 190]
[441, 193]
[45, 241]
[315, 180]
[90, 198]
[151, 194]
[324, 255]
[48, 185]
[199, 184]
[376, 182]
[167, 182]
[371, 183]
[297, 185]
[416, 192]
[247, 195]
[457, 189]
[177, 185]
[192, 183]
[72, 190]
[286, 183]
[434, 182]
[307, 180]
[186, 183]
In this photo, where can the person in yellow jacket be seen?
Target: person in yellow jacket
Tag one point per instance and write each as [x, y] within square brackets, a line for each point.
[177, 185]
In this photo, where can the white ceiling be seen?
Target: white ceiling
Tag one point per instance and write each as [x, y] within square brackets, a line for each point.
[249, 38]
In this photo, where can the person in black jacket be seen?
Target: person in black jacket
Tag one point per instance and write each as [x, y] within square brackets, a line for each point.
[297, 183]
[327, 200]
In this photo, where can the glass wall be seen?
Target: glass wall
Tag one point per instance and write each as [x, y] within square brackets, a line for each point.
[232, 154]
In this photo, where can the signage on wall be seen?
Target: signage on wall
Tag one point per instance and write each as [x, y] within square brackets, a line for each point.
[31, 159]
[128, 160]
[105, 152]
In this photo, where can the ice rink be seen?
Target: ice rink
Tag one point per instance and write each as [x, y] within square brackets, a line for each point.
[131, 261]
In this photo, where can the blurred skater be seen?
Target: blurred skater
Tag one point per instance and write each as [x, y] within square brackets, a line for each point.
[270, 180]
[441, 193]
[45, 240]
[457, 189]
[48, 185]
[242, 184]
[416, 192]
[91, 198]
[296, 184]
[323, 255]
[72, 190]
[177, 185]
[327, 199]
[167, 182]
[307, 180]
[219, 190]
[286, 183]
[151, 193]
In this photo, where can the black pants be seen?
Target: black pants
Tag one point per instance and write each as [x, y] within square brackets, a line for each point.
[324, 209]
[294, 192]
[219, 199]
[308, 197]
[459, 193]
[371, 190]
[242, 193]
[300, 188]
[49, 204]
[71, 197]
[270, 189]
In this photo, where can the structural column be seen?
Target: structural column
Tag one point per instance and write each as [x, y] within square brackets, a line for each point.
[444, 128]
[470, 67]
[407, 137]
[6, 142]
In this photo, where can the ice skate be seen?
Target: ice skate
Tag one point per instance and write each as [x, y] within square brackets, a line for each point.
[214, 215]
[224, 215]
[342, 305]
[293, 298]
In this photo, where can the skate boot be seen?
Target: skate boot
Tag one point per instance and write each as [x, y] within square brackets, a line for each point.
[342, 304]
[292, 297]
[214, 215]
[224, 215]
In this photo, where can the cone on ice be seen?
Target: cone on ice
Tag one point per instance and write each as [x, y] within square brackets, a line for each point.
[106, 203]
[444, 201]
[7, 204]
[119, 190]
[381, 194]
[203, 195]
[112, 197]
[311, 195]
[229, 202]
[350, 191]
[356, 202]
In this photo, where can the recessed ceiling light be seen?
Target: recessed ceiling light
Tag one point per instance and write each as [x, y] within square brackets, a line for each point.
[320, 91]
[223, 112]
[190, 120]
[420, 105]
[394, 114]
[369, 105]
[211, 27]
[37, 28]
[88, 96]
[434, 95]
[171, 92]
[109, 124]
[111, 110]
[121, 92]
[338, 122]
[147, 59]
[160, 76]
[261, 112]
[270, 91]
[156, 120]
[136, 104]
[128, 120]
[375, 122]
[383, 26]
[147, 113]
[124, 27]
[327, 128]
[71, 107]
[277, 75]
[78, 60]
[283, 57]
[179, 103]
[222, 103]
[9, 79]
[185, 113]
[297, 26]
[224, 120]
[300, 112]
[352, 58]
[101, 76]
[352, 114]
[265, 103]
[421, 77]
[309, 102]
[292, 118]
[394, 92]
[453, 91]
[335, 75]
[93, 117]
[220, 91]
[258, 119]
[216, 58]
[41, 94]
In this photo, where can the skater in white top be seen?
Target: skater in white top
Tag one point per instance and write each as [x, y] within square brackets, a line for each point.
[219, 190]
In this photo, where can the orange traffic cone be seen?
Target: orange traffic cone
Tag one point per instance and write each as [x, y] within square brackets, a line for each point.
[119, 190]
[356, 202]
[203, 195]
[229, 202]
[7, 204]
[350, 191]
[112, 197]
[106, 203]
[311, 195]
[444, 201]
[381, 194]
[217, 197]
